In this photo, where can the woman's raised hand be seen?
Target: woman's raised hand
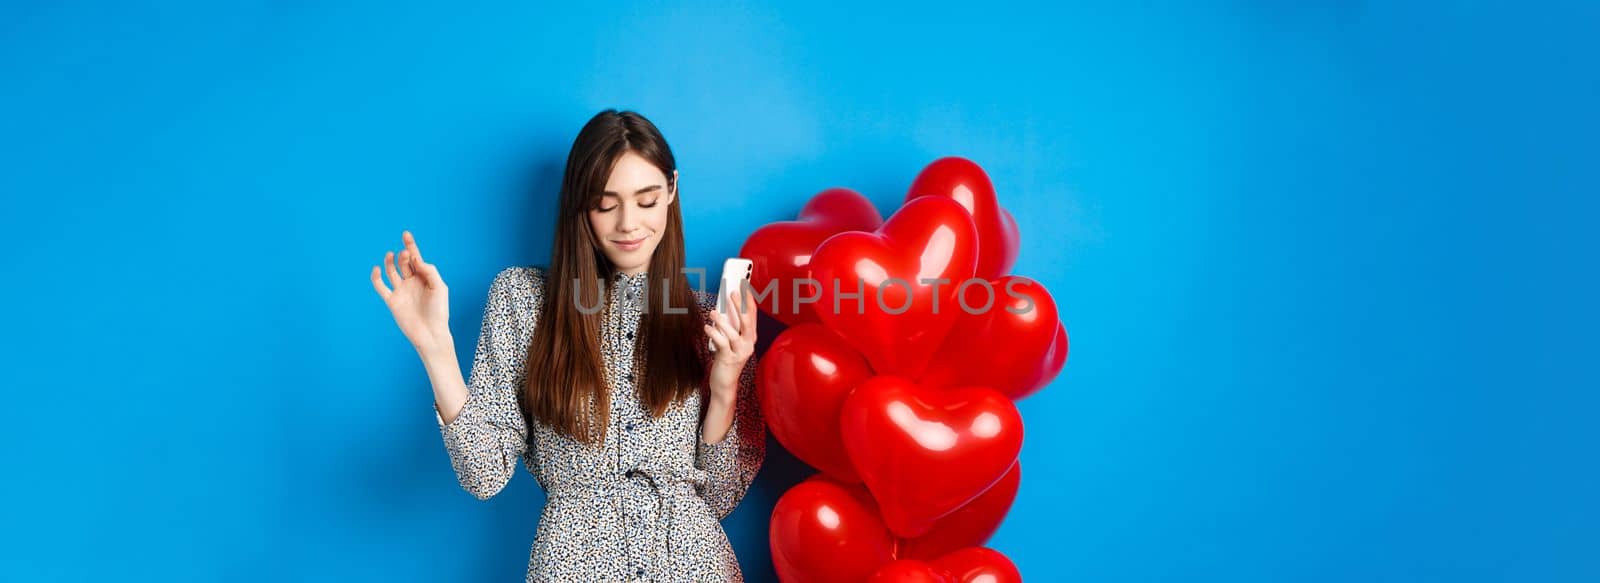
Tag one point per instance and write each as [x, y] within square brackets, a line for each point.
[420, 302]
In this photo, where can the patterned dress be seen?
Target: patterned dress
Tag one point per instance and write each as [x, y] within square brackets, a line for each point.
[643, 506]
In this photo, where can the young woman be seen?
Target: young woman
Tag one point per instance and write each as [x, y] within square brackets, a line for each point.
[596, 372]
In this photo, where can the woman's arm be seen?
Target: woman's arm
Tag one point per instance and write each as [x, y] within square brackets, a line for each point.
[732, 454]
[483, 429]
[732, 435]
[449, 389]
[719, 415]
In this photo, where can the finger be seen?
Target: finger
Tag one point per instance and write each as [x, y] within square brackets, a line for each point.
[732, 335]
[719, 319]
[411, 245]
[734, 307]
[747, 320]
[406, 263]
[430, 274]
[377, 284]
[717, 338]
[388, 263]
[408, 240]
[419, 270]
[738, 300]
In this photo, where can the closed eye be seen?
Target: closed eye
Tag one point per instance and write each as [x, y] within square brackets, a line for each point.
[606, 209]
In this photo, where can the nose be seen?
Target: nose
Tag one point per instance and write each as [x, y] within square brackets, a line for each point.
[627, 220]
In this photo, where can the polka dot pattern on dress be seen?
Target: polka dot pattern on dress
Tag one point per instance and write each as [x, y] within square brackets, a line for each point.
[645, 504]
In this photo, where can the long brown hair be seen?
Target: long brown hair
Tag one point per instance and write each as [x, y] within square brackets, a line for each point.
[566, 387]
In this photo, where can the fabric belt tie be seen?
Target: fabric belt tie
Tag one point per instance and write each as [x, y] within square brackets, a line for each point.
[667, 487]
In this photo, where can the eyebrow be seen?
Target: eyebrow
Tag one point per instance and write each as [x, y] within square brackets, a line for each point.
[640, 191]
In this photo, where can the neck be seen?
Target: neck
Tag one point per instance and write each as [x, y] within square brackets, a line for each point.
[631, 273]
[640, 270]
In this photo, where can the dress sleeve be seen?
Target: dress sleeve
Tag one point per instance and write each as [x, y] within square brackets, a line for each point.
[732, 463]
[486, 438]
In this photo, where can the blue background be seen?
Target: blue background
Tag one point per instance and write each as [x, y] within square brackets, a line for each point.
[1328, 269]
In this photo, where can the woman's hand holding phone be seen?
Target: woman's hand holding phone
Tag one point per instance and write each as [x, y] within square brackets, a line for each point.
[733, 338]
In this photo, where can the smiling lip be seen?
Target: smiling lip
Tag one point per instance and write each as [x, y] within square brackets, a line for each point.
[630, 245]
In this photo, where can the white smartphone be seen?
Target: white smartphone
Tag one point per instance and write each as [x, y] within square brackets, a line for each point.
[735, 271]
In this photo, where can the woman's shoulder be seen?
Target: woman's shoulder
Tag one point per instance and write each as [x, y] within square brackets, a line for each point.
[519, 281]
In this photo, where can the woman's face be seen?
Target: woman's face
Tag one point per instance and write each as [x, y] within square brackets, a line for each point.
[632, 213]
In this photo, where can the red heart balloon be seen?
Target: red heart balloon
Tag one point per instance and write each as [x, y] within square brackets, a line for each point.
[824, 531]
[897, 321]
[1057, 357]
[924, 452]
[978, 564]
[969, 565]
[969, 526]
[780, 252]
[803, 379]
[908, 571]
[965, 182]
[1016, 353]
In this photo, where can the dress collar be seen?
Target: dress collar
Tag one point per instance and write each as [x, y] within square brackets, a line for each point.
[632, 285]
